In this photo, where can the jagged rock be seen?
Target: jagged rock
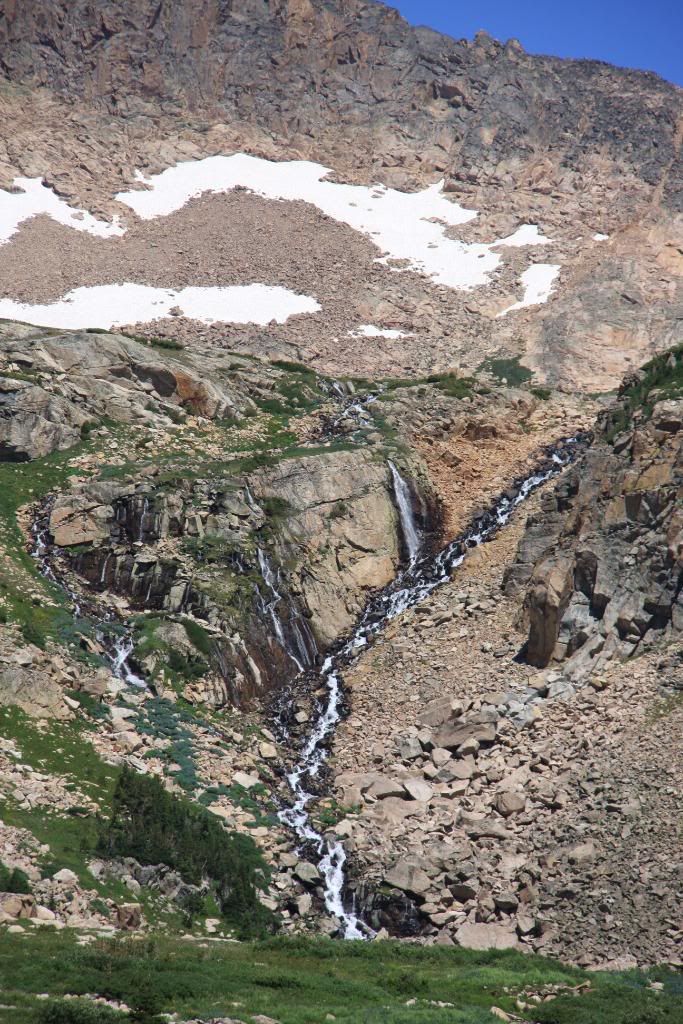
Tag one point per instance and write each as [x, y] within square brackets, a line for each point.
[307, 873]
[382, 788]
[245, 780]
[418, 789]
[66, 877]
[128, 916]
[589, 598]
[14, 905]
[34, 423]
[33, 690]
[453, 737]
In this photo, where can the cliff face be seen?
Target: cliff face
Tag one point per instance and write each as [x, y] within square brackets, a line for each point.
[604, 558]
[480, 112]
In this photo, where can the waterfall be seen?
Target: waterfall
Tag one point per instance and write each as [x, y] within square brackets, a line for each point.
[294, 636]
[331, 854]
[119, 655]
[404, 503]
[143, 515]
[409, 588]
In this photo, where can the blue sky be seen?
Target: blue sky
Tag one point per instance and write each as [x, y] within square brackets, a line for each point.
[644, 34]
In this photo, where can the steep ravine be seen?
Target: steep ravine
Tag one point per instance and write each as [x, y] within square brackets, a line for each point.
[419, 577]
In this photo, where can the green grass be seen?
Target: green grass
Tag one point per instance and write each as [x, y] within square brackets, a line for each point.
[21, 483]
[302, 981]
[449, 383]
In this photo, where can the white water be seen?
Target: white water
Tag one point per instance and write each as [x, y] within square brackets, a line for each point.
[270, 607]
[117, 649]
[294, 637]
[409, 588]
[120, 665]
[404, 503]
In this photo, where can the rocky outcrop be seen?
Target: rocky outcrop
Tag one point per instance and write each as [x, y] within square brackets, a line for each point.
[339, 533]
[27, 681]
[604, 559]
[82, 377]
[34, 422]
[276, 568]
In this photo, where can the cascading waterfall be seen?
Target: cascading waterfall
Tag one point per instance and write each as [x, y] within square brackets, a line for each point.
[117, 648]
[408, 589]
[404, 503]
[119, 656]
[143, 516]
[302, 650]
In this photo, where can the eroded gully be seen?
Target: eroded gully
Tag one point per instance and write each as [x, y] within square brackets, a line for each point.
[415, 582]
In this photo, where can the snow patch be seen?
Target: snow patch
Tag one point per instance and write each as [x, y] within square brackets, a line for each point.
[408, 226]
[538, 280]
[526, 234]
[599, 237]
[36, 198]
[370, 331]
[113, 305]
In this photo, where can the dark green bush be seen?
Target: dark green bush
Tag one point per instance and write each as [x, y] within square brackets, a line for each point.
[509, 370]
[198, 636]
[156, 827]
[13, 880]
[77, 1011]
[663, 375]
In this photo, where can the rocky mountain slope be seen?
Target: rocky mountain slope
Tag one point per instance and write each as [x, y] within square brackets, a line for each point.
[280, 649]
[590, 153]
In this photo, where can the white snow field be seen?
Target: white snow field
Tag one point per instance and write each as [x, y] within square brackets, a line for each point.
[370, 331]
[37, 198]
[538, 280]
[408, 226]
[113, 305]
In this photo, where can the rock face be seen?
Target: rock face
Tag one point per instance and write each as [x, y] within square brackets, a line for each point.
[578, 147]
[33, 422]
[489, 110]
[604, 559]
[340, 530]
[335, 529]
[82, 376]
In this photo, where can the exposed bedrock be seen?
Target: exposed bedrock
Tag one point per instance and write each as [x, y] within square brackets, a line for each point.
[602, 564]
[277, 567]
[56, 384]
